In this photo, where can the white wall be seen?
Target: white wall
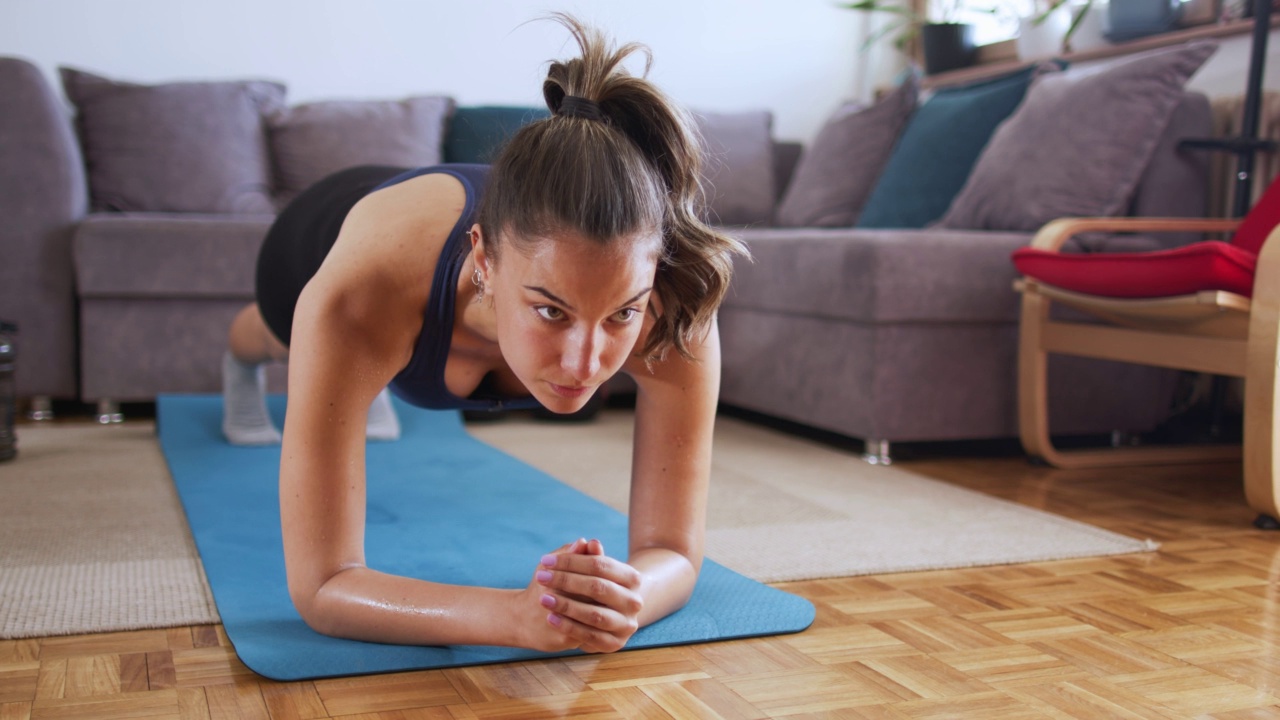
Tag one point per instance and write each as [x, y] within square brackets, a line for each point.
[798, 58]
[1226, 71]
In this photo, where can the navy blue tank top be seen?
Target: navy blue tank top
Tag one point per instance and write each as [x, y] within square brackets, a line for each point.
[421, 382]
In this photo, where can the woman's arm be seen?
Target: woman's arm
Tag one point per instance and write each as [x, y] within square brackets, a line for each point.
[671, 472]
[352, 332]
[671, 468]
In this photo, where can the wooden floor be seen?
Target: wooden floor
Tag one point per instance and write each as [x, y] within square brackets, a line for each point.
[1190, 631]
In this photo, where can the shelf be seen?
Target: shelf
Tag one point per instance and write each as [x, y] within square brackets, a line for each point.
[982, 72]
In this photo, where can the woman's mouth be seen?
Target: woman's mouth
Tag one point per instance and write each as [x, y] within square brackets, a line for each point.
[569, 393]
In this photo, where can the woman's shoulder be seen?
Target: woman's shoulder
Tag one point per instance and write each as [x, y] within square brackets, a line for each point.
[393, 236]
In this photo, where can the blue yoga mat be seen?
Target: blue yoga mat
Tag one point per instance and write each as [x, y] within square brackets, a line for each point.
[434, 497]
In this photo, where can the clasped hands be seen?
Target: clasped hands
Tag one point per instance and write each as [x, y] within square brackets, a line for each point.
[581, 598]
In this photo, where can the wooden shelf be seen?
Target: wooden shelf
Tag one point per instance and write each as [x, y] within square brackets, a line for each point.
[981, 72]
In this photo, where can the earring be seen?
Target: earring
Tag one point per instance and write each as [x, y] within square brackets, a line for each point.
[479, 283]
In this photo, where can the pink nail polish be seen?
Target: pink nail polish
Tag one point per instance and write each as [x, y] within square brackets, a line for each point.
[543, 576]
[549, 560]
[548, 601]
[554, 619]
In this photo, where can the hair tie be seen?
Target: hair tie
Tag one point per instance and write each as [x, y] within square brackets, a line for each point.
[574, 106]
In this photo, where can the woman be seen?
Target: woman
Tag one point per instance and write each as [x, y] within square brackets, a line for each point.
[584, 257]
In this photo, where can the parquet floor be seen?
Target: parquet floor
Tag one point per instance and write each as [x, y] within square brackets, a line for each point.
[1190, 631]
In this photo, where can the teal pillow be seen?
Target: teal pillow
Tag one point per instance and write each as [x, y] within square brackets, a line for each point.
[476, 134]
[937, 150]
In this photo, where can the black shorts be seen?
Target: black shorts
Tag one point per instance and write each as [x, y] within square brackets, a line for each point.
[302, 236]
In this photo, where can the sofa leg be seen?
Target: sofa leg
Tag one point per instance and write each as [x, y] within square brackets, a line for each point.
[41, 408]
[877, 452]
[109, 412]
[1120, 438]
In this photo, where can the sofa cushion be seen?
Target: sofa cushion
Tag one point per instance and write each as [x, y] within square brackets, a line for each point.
[889, 276]
[878, 276]
[476, 134]
[1210, 265]
[1078, 145]
[168, 255]
[312, 140]
[739, 167]
[939, 147]
[176, 147]
[837, 172]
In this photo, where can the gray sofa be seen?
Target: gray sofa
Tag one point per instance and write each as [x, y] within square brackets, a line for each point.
[886, 335]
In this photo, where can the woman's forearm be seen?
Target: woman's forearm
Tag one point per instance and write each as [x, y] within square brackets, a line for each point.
[668, 580]
[363, 604]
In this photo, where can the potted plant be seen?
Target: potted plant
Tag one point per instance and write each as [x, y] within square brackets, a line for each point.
[1071, 13]
[946, 43]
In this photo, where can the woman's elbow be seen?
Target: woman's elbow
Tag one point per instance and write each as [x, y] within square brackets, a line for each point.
[308, 598]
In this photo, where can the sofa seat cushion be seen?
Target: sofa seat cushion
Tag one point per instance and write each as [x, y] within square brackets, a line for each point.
[1209, 265]
[879, 276]
[168, 255]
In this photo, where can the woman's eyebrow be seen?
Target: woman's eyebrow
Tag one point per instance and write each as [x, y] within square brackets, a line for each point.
[552, 297]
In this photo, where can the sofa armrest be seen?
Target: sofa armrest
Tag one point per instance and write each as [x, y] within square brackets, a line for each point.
[43, 195]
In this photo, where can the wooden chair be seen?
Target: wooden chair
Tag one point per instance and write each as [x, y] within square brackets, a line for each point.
[1211, 331]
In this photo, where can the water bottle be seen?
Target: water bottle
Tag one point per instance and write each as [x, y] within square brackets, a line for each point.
[8, 392]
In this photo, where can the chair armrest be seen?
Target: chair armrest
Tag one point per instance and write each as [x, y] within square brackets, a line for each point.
[1053, 235]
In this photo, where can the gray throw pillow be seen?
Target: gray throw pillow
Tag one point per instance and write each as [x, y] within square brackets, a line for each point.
[1078, 144]
[175, 147]
[738, 172]
[312, 140]
[838, 171]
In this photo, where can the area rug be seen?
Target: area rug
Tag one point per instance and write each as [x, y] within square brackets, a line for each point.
[442, 506]
[784, 508]
[93, 537]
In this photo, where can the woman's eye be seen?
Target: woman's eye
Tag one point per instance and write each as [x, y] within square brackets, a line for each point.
[548, 312]
[626, 315]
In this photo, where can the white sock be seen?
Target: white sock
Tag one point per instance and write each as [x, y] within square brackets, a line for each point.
[382, 423]
[244, 404]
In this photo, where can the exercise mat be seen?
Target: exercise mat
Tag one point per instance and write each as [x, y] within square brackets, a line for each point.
[441, 506]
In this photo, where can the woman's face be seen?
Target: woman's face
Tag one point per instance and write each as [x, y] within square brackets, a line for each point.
[569, 311]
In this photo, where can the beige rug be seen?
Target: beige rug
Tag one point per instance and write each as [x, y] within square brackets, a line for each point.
[783, 508]
[93, 537]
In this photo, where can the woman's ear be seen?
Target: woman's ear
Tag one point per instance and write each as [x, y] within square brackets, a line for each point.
[478, 254]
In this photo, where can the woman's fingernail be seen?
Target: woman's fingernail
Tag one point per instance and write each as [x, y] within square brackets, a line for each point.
[548, 601]
[549, 560]
[554, 619]
[543, 576]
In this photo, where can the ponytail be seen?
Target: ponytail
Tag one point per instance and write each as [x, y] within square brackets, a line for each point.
[617, 158]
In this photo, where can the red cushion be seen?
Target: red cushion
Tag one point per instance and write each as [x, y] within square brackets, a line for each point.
[1209, 265]
[1261, 220]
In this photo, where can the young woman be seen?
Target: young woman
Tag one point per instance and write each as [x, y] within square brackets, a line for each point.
[579, 254]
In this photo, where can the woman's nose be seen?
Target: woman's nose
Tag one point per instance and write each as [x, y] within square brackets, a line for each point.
[581, 358]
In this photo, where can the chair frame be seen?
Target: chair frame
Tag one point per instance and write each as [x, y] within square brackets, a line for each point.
[1213, 331]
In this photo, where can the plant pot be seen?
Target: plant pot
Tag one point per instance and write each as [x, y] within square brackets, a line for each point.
[947, 46]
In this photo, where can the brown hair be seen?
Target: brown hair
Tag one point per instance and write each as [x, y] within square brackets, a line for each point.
[634, 169]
